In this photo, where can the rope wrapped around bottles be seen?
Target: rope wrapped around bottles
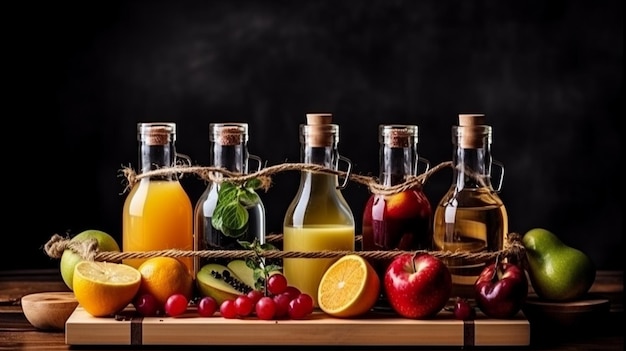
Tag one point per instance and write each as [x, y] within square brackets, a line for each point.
[513, 248]
[88, 249]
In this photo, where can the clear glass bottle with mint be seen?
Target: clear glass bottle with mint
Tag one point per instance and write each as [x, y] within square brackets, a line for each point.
[220, 226]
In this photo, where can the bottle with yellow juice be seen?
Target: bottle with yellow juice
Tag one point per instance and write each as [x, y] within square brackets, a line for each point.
[319, 217]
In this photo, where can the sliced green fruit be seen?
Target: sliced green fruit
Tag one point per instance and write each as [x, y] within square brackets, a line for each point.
[210, 284]
[242, 271]
[245, 273]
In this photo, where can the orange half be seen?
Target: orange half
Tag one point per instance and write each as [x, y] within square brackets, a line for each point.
[348, 288]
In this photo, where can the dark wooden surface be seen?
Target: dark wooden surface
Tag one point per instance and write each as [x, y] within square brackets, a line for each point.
[602, 333]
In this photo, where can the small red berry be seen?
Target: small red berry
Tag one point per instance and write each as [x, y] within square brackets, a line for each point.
[463, 310]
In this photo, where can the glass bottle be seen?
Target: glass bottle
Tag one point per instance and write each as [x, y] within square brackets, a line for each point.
[158, 214]
[471, 216]
[400, 221]
[229, 150]
[319, 217]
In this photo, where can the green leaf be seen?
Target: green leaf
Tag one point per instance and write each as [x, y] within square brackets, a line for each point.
[235, 220]
[249, 198]
[228, 192]
[250, 263]
[230, 215]
[253, 183]
[259, 276]
[273, 267]
[267, 247]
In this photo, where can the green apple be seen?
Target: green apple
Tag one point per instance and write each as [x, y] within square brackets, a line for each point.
[557, 271]
[70, 259]
[212, 280]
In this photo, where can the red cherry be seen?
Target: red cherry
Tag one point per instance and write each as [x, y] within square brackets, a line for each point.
[463, 310]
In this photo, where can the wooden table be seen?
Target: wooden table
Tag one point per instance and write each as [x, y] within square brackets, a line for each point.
[16, 333]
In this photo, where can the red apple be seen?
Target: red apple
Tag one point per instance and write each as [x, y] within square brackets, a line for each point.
[408, 204]
[417, 285]
[501, 289]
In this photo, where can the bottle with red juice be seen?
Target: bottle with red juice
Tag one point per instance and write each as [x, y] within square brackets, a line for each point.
[397, 220]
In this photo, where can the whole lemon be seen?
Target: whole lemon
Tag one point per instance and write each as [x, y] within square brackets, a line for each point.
[70, 259]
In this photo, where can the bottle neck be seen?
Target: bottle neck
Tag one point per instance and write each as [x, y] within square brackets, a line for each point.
[326, 156]
[229, 146]
[472, 167]
[153, 157]
[230, 157]
[396, 164]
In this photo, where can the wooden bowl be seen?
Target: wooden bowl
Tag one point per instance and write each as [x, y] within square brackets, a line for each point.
[586, 312]
[49, 310]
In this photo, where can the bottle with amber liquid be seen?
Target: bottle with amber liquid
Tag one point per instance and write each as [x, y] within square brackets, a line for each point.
[403, 220]
[470, 217]
[229, 151]
[319, 217]
[157, 213]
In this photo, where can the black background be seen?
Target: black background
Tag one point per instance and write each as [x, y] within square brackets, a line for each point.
[79, 76]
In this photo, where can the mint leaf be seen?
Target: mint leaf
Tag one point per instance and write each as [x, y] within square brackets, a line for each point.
[253, 183]
[248, 197]
[234, 220]
[231, 215]
[228, 192]
[260, 271]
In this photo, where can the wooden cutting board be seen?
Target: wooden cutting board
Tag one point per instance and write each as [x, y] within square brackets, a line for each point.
[375, 329]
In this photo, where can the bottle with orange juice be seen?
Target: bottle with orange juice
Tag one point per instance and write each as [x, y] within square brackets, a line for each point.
[319, 217]
[157, 214]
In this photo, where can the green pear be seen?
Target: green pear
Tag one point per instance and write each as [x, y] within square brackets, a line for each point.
[210, 283]
[557, 272]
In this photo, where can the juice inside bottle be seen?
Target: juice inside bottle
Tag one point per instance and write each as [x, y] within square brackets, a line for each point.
[470, 217]
[306, 273]
[473, 221]
[397, 221]
[156, 217]
[318, 218]
[157, 213]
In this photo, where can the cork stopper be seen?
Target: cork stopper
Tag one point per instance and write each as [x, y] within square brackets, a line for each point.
[471, 119]
[319, 130]
[156, 134]
[398, 136]
[228, 134]
[318, 118]
[472, 131]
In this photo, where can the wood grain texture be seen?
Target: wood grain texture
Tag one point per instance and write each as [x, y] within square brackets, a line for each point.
[374, 329]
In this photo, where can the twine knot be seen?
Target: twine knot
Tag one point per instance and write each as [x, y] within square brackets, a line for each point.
[87, 249]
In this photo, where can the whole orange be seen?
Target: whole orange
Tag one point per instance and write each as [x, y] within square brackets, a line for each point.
[163, 277]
